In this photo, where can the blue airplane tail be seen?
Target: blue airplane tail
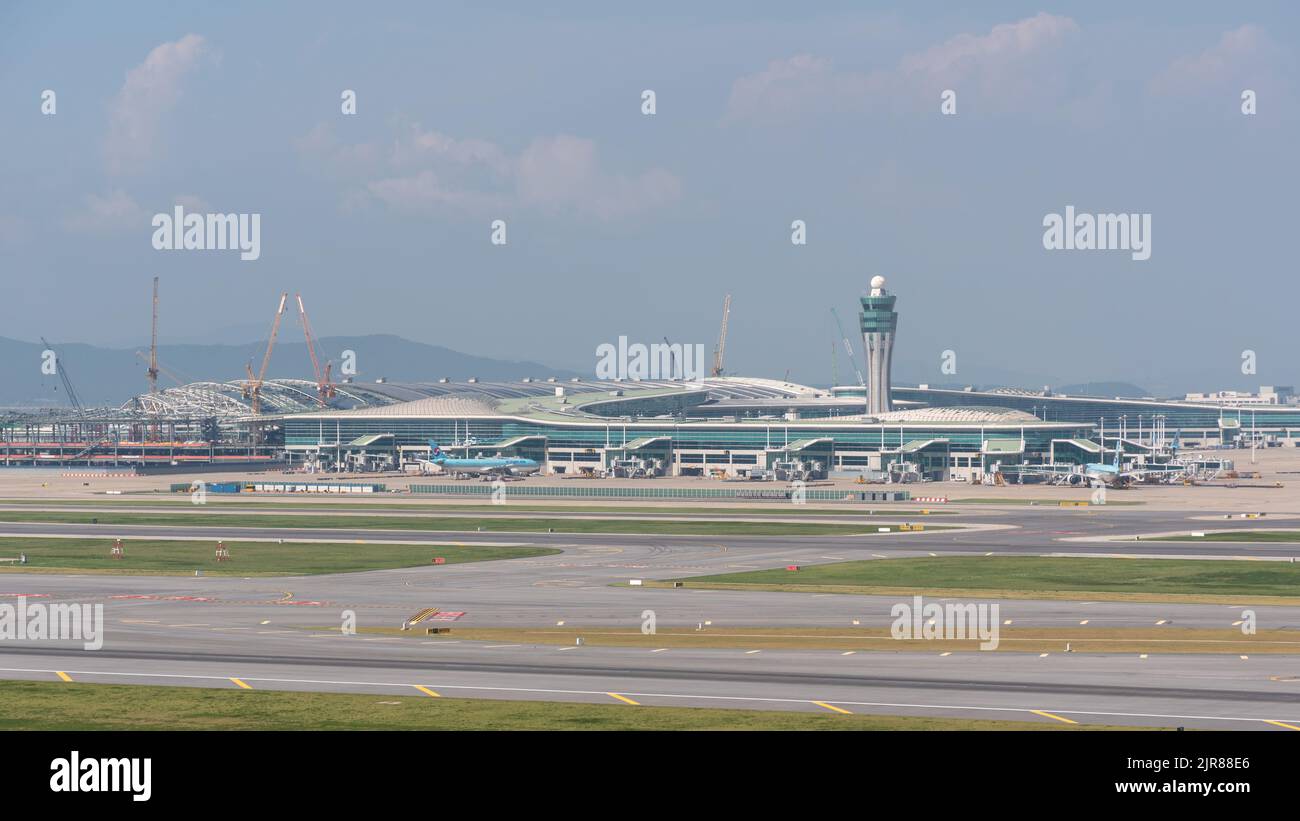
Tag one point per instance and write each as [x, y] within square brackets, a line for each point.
[435, 452]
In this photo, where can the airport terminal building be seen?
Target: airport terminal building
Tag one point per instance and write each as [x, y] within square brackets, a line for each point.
[762, 428]
[729, 426]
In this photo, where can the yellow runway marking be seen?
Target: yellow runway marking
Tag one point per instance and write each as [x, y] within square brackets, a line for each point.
[624, 699]
[63, 675]
[241, 684]
[832, 708]
[1046, 714]
[1282, 724]
[426, 691]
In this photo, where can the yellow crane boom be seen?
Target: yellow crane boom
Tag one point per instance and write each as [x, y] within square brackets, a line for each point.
[253, 388]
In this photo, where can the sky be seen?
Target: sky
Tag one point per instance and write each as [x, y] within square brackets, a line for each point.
[622, 223]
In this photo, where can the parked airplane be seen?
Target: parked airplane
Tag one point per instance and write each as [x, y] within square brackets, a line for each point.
[1107, 474]
[494, 466]
[1096, 474]
[1113, 475]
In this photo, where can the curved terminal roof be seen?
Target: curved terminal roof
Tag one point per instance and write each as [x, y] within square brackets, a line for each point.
[294, 396]
[959, 416]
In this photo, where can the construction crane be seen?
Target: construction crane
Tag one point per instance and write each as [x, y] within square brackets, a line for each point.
[720, 351]
[672, 359]
[170, 374]
[152, 370]
[835, 364]
[324, 387]
[63, 377]
[253, 387]
[848, 347]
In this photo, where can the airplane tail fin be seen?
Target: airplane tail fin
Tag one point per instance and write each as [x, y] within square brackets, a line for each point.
[434, 451]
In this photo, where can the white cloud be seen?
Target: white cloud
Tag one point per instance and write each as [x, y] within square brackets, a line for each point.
[424, 190]
[1004, 68]
[151, 89]
[1005, 44]
[793, 86]
[423, 169]
[191, 203]
[111, 213]
[419, 147]
[563, 173]
[1244, 57]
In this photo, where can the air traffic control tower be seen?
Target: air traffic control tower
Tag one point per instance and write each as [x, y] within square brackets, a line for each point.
[879, 321]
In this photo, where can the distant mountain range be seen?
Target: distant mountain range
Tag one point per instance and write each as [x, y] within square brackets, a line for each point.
[111, 376]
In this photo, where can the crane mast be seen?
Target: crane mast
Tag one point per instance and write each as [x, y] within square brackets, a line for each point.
[63, 377]
[153, 343]
[848, 347]
[324, 387]
[720, 351]
[253, 388]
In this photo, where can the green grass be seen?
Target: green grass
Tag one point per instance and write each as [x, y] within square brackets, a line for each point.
[31, 705]
[1030, 574]
[522, 525]
[1236, 536]
[247, 558]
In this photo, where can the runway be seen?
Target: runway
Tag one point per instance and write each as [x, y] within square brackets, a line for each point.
[270, 633]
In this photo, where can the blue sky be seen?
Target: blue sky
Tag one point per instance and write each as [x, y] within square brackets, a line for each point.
[626, 224]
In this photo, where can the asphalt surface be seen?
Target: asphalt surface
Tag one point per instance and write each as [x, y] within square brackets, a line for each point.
[276, 633]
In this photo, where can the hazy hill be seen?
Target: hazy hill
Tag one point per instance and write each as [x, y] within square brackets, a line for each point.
[111, 376]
